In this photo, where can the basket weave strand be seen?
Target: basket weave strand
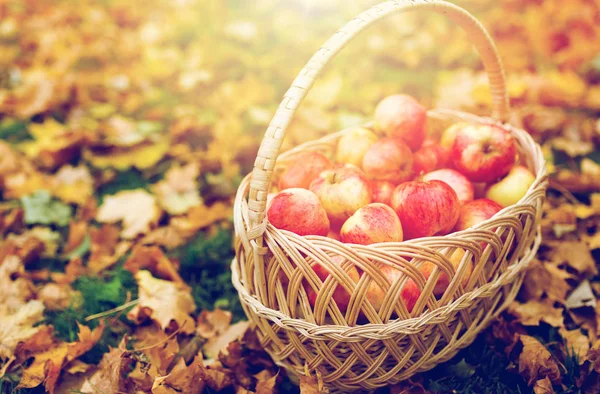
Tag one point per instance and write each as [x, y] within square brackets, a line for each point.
[364, 345]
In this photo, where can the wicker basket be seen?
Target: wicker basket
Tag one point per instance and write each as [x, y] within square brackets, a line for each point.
[272, 267]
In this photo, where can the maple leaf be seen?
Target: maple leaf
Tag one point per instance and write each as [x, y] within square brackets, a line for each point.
[105, 248]
[111, 372]
[163, 236]
[181, 379]
[220, 342]
[199, 217]
[310, 384]
[575, 254]
[179, 191]
[533, 311]
[135, 208]
[41, 208]
[153, 259]
[47, 365]
[165, 302]
[543, 386]
[576, 343]
[536, 362]
[18, 326]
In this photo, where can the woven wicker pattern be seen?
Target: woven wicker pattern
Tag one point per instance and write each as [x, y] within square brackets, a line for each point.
[365, 346]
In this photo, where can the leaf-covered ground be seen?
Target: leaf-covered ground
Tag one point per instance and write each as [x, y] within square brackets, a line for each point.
[125, 128]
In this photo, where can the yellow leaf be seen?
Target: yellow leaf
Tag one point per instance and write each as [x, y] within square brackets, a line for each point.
[141, 156]
[136, 208]
[73, 184]
[166, 302]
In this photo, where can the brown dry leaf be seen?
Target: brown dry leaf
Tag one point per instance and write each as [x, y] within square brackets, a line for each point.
[179, 191]
[213, 323]
[18, 325]
[219, 343]
[200, 217]
[593, 356]
[312, 384]
[543, 386]
[576, 254]
[110, 375]
[77, 366]
[42, 340]
[534, 311]
[158, 347]
[73, 270]
[26, 247]
[137, 210]
[47, 365]
[216, 379]
[182, 379]
[153, 259]
[163, 236]
[267, 386]
[536, 362]
[104, 242]
[164, 302]
[576, 343]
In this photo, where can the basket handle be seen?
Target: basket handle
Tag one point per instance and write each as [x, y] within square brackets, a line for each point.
[271, 143]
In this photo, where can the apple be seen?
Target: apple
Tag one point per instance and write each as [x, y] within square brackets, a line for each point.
[457, 181]
[306, 167]
[429, 157]
[372, 224]
[443, 281]
[342, 190]
[513, 187]
[403, 117]
[389, 159]
[340, 295]
[425, 208]
[299, 211]
[483, 153]
[353, 145]
[382, 191]
[409, 294]
[449, 135]
[475, 212]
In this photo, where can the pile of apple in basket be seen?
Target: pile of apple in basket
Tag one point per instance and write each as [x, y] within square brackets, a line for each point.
[402, 186]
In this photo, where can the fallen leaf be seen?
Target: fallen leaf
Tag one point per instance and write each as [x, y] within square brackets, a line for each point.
[164, 302]
[179, 191]
[163, 236]
[267, 386]
[18, 325]
[103, 246]
[57, 296]
[136, 208]
[576, 254]
[581, 297]
[576, 343]
[16, 289]
[151, 258]
[534, 311]
[543, 386]
[73, 184]
[182, 379]
[40, 208]
[312, 384]
[218, 344]
[536, 362]
[141, 156]
[199, 217]
[211, 324]
[111, 372]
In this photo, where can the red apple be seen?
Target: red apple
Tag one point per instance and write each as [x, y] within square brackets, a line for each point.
[340, 295]
[513, 187]
[483, 153]
[426, 208]
[353, 145]
[389, 159]
[299, 211]
[449, 135]
[372, 224]
[457, 181]
[476, 212]
[342, 190]
[403, 117]
[306, 167]
[409, 294]
[382, 191]
[429, 157]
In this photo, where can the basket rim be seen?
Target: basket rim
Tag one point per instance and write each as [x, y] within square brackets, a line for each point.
[414, 324]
